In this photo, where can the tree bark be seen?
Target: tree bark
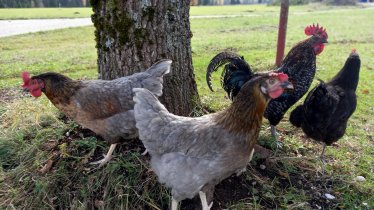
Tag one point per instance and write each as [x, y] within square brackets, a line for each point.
[37, 3]
[132, 35]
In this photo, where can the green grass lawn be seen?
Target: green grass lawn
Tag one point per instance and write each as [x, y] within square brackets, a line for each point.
[38, 13]
[33, 132]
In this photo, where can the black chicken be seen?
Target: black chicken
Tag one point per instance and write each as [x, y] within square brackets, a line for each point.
[299, 65]
[327, 108]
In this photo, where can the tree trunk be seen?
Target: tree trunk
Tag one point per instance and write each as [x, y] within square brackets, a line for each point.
[84, 3]
[37, 3]
[132, 35]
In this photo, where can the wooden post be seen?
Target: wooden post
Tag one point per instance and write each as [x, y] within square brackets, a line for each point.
[282, 31]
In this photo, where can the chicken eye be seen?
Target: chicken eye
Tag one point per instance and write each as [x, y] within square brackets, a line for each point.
[271, 81]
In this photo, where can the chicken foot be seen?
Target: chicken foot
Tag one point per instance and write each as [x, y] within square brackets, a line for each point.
[174, 204]
[107, 157]
[204, 201]
[322, 158]
[323, 151]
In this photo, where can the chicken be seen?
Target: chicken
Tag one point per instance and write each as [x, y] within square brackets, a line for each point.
[299, 65]
[192, 155]
[327, 108]
[105, 107]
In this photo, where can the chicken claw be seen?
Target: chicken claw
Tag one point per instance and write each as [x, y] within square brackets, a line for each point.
[145, 152]
[106, 158]
[204, 202]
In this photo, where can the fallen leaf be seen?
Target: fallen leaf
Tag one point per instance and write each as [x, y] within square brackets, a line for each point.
[99, 203]
[366, 91]
[47, 166]
[262, 151]
[284, 174]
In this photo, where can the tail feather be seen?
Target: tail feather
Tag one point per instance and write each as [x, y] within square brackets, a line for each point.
[152, 120]
[160, 68]
[145, 100]
[157, 71]
[235, 62]
[297, 116]
[233, 79]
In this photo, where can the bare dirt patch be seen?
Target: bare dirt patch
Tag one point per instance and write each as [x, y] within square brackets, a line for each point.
[11, 94]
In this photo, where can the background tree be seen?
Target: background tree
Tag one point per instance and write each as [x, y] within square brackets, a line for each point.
[132, 35]
[37, 3]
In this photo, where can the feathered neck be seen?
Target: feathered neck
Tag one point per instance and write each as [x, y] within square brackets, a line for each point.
[297, 54]
[348, 76]
[246, 111]
[59, 88]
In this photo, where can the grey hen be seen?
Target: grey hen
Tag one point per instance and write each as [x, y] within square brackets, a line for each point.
[192, 155]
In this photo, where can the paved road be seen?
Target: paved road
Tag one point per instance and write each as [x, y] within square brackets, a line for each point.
[14, 27]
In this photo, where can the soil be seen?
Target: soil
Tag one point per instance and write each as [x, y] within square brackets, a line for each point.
[8, 95]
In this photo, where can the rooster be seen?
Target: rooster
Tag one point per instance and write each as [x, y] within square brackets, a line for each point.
[105, 107]
[327, 108]
[192, 155]
[299, 65]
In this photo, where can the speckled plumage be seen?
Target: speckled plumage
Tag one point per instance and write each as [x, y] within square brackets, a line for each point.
[299, 65]
[193, 154]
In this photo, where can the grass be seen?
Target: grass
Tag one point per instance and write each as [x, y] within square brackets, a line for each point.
[33, 132]
[42, 13]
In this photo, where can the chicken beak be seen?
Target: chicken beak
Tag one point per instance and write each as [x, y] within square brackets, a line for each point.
[286, 85]
[325, 41]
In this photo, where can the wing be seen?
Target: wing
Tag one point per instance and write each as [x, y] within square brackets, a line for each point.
[301, 75]
[103, 99]
[163, 132]
[320, 105]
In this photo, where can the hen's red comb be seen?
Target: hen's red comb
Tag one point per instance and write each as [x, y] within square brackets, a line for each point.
[282, 76]
[26, 78]
[315, 30]
[354, 50]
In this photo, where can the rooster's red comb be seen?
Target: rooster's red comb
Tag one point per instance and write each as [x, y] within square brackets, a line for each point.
[315, 30]
[281, 76]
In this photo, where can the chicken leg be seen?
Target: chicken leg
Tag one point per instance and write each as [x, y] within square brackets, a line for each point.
[174, 204]
[275, 134]
[204, 202]
[145, 152]
[322, 156]
[107, 157]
